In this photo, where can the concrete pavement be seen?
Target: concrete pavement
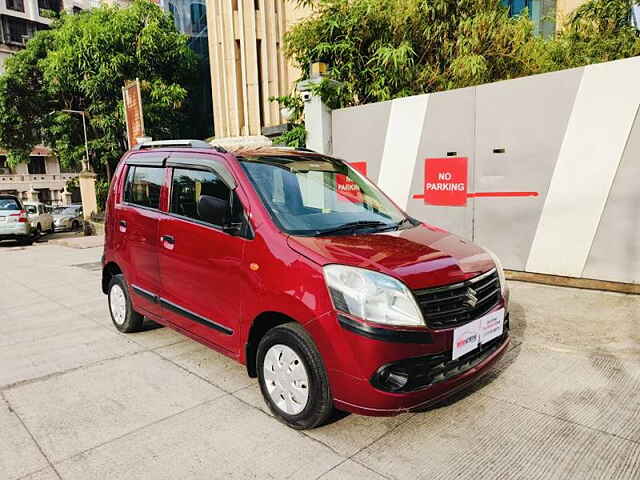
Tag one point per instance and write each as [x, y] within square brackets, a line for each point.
[78, 400]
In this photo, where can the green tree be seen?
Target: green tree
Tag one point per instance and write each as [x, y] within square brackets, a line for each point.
[81, 63]
[597, 31]
[384, 49]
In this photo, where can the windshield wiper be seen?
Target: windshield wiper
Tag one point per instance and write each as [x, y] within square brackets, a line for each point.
[354, 226]
[403, 221]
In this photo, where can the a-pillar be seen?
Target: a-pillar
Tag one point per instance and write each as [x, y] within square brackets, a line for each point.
[87, 182]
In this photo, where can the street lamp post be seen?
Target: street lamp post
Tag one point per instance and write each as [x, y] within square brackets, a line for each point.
[84, 127]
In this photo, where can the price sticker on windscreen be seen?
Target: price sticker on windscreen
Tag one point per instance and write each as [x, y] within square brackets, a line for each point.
[445, 181]
[346, 189]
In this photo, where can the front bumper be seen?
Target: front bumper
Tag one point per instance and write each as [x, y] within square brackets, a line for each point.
[354, 358]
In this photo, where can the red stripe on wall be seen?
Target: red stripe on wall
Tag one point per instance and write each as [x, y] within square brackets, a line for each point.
[503, 194]
[491, 194]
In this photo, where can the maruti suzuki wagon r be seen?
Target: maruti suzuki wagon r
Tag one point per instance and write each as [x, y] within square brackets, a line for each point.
[297, 266]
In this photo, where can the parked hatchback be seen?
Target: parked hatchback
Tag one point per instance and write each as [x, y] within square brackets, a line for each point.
[297, 266]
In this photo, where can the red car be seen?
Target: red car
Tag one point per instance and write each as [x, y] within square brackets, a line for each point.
[300, 268]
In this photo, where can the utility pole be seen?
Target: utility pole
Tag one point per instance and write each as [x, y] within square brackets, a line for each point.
[84, 127]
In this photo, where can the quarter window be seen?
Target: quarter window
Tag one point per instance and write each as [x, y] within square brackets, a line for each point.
[189, 185]
[144, 185]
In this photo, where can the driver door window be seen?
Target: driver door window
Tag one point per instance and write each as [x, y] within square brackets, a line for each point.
[189, 185]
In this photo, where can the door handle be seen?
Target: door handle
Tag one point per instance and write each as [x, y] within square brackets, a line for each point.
[168, 239]
[123, 226]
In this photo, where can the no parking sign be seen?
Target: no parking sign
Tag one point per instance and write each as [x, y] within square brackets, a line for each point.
[445, 181]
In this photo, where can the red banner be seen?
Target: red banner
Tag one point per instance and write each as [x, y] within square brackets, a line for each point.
[348, 190]
[445, 181]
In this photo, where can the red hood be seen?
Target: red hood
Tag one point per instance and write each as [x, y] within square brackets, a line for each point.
[421, 257]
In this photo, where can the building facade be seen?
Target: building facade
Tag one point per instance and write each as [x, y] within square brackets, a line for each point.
[190, 18]
[543, 13]
[19, 20]
[40, 180]
[248, 65]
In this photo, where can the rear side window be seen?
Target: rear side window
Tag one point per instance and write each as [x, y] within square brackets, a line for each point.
[189, 185]
[143, 186]
[9, 204]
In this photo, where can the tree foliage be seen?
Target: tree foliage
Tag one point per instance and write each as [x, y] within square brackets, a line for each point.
[597, 31]
[384, 49]
[82, 64]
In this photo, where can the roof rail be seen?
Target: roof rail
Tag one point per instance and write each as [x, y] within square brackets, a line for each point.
[178, 143]
[294, 149]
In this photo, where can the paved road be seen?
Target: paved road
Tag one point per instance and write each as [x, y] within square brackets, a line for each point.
[81, 401]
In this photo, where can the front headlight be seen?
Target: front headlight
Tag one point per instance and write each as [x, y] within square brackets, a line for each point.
[371, 296]
[500, 270]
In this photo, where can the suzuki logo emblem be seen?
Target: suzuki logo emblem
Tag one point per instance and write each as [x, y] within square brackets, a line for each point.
[471, 300]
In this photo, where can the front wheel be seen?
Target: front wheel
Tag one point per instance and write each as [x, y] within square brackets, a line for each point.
[292, 377]
[123, 316]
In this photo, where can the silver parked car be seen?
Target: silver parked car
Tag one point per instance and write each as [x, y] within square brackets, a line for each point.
[14, 221]
[68, 218]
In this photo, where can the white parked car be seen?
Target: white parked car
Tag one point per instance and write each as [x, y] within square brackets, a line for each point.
[39, 218]
[14, 223]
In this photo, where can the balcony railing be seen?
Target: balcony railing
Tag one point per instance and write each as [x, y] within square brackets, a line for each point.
[24, 181]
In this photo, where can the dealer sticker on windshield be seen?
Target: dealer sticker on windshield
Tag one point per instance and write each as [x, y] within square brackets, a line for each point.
[470, 336]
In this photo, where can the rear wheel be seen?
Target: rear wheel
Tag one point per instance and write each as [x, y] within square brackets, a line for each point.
[75, 226]
[292, 377]
[123, 316]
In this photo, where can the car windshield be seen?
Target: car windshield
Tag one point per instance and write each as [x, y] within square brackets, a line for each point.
[9, 204]
[64, 211]
[320, 196]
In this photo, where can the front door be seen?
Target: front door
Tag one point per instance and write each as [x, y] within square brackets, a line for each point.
[204, 283]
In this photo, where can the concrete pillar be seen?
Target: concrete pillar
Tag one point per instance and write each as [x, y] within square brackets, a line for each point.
[33, 195]
[317, 116]
[87, 182]
[66, 197]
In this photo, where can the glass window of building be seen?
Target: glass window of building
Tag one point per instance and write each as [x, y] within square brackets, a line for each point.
[541, 12]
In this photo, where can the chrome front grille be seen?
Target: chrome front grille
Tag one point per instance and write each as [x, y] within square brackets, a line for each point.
[459, 303]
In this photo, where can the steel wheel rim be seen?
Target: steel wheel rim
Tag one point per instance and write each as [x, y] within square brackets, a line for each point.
[118, 304]
[286, 379]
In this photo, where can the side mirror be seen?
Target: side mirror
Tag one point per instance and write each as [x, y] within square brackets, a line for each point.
[213, 210]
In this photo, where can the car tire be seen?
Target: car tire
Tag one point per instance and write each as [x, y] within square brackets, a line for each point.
[124, 318]
[75, 226]
[289, 367]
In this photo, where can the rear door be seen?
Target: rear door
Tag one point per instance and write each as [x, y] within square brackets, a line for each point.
[136, 219]
[204, 279]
